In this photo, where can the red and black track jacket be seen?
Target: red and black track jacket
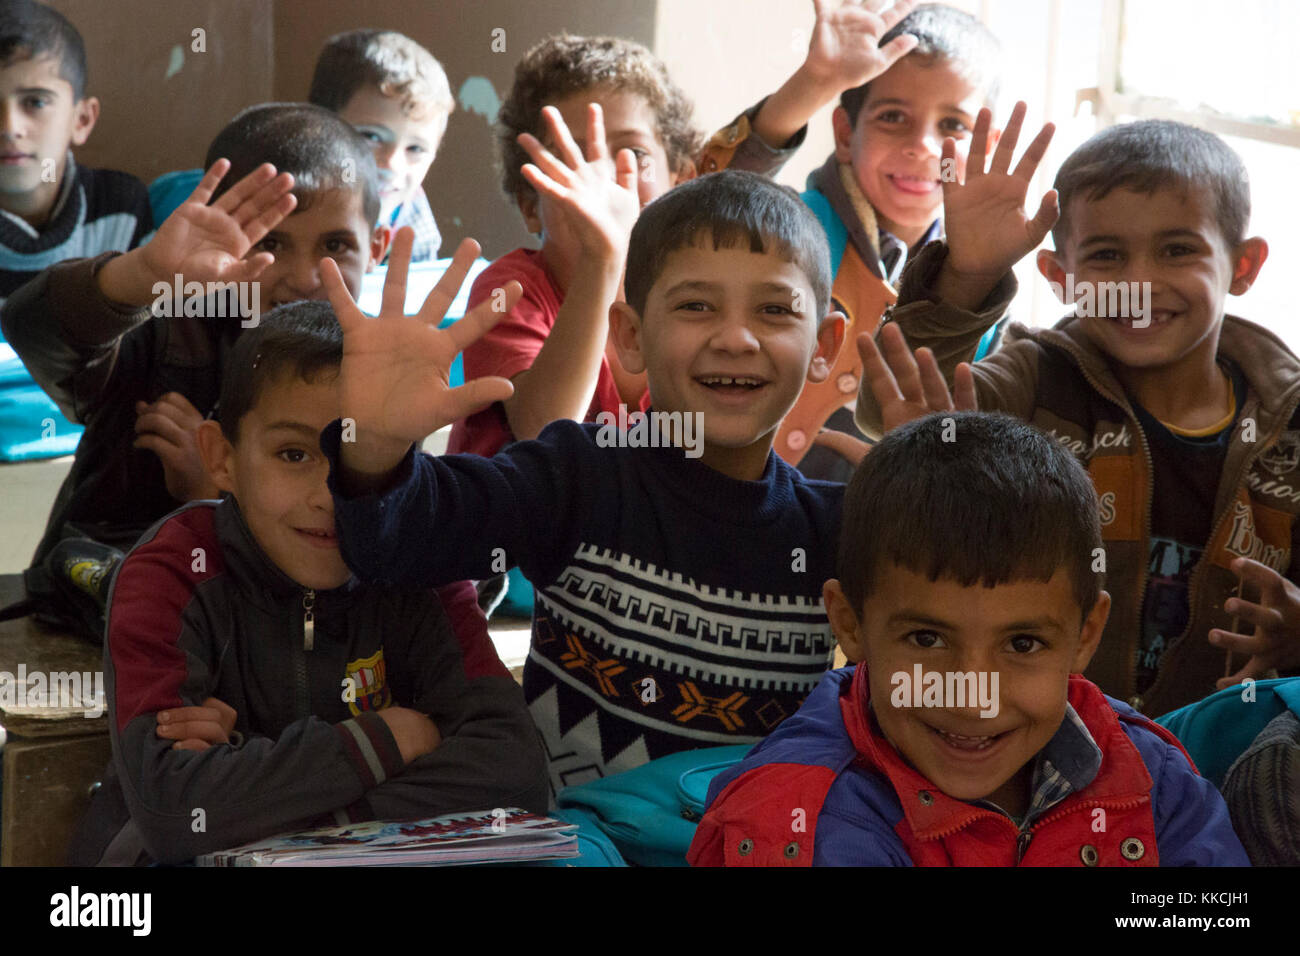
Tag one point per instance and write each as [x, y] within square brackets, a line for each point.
[196, 611]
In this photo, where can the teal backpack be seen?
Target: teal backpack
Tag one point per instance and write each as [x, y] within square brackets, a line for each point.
[650, 813]
[1219, 728]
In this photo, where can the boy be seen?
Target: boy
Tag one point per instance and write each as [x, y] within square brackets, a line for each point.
[51, 209]
[963, 735]
[1186, 418]
[142, 384]
[879, 196]
[395, 94]
[675, 573]
[232, 626]
[554, 347]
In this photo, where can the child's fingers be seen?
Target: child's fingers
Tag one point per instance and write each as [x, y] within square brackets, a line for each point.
[233, 197]
[1007, 144]
[191, 744]
[226, 714]
[270, 217]
[979, 143]
[901, 362]
[475, 395]
[884, 387]
[1268, 582]
[853, 450]
[1262, 616]
[546, 162]
[210, 181]
[167, 452]
[963, 388]
[933, 387]
[544, 184]
[1034, 154]
[896, 49]
[899, 10]
[209, 730]
[442, 295]
[1251, 645]
[597, 148]
[162, 425]
[393, 301]
[484, 316]
[247, 270]
[565, 146]
[1045, 218]
[1253, 669]
[255, 206]
[340, 298]
[625, 170]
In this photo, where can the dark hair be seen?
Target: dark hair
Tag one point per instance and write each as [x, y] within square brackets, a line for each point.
[997, 501]
[735, 208]
[391, 61]
[29, 31]
[302, 338]
[319, 149]
[1148, 155]
[948, 34]
[565, 64]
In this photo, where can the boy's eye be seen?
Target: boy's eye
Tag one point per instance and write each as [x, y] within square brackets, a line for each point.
[416, 150]
[1103, 255]
[1025, 644]
[293, 456]
[268, 244]
[925, 639]
[369, 136]
[338, 247]
[695, 305]
[954, 126]
[777, 308]
[37, 102]
[890, 117]
[1180, 249]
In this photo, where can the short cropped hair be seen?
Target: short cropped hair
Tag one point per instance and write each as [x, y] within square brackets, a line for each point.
[1148, 155]
[391, 61]
[735, 208]
[561, 65]
[319, 149]
[302, 339]
[980, 498]
[29, 31]
[944, 34]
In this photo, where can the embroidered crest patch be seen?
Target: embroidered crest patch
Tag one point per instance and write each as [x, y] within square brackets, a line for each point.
[1284, 456]
[364, 687]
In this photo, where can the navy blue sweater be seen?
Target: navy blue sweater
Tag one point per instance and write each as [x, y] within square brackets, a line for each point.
[675, 607]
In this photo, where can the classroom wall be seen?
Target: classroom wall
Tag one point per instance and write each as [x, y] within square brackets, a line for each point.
[161, 100]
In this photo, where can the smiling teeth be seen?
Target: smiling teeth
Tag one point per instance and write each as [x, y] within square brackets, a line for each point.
[724, 380]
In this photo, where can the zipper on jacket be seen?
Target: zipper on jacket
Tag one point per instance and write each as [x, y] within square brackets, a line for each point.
[308, 620]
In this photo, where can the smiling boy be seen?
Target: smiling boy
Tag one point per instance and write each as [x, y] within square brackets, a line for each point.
[1186, 418]
[677, 597]
[250, 676]
[967, 548]
[52, 209]
[395, 94]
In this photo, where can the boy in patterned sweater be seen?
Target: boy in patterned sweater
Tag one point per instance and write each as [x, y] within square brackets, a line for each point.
[51, 209]
[677, 562]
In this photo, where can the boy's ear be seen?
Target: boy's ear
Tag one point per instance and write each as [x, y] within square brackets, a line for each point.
[85, 115]
[527, 202]
[830, 339]
[217, 454]
[844, 622]
[1247, 260]
[843, 129]
[1090, 635]
[625, 329]
[379, 242]
[1053, 270]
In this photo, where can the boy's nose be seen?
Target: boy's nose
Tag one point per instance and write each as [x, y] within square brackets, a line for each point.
[925, 143]
[389, 157]
[303, 277]
[11, 125]
[733, 334]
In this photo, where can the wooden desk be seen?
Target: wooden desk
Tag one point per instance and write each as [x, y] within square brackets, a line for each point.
[49, 755]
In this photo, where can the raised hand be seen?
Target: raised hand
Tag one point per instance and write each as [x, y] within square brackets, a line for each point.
[985, 222]
[907, 387]
[208, 243]
[167, 428]
[393, 382]
[845, 49]
[597, 198]
[1275, 642]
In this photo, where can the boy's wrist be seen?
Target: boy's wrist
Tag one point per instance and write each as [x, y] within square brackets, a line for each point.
[126, 280]
[790, 108]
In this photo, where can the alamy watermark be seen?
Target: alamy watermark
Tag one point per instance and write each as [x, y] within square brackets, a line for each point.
[950, 689]
[1102, 300]
[67, 690]
[652, 429]
[217, 300]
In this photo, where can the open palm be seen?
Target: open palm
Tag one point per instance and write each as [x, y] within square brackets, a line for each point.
[984, 217]
[845, 43]
[208, 243]
[394, 378]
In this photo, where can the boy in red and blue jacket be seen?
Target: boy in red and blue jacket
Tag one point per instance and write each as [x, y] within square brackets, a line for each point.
[970, 600]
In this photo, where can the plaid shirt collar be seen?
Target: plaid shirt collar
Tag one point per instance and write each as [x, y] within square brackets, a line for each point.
[1068, 764]
[894, 252]
[419, 217]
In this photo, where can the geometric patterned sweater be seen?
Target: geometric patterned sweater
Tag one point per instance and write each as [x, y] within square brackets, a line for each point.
[675, 607]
